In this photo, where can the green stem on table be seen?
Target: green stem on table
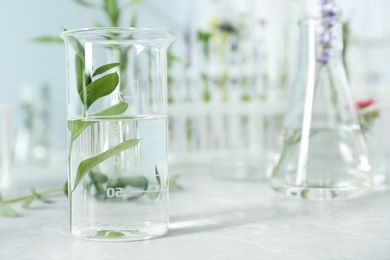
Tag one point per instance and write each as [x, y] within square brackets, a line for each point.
[32, 196]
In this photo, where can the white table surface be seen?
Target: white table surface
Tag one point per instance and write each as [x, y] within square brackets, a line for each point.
[211, 218]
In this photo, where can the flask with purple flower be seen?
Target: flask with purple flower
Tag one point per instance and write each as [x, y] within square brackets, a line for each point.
[323, 153]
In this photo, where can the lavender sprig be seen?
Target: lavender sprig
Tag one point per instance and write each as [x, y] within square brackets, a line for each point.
[328, 19]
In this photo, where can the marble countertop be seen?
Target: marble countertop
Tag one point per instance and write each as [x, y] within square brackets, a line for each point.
[211, 218]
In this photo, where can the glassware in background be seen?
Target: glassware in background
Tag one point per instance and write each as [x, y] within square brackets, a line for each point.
[219, 121]
[323, 154]
[34, 137]
[117, 121]
[7, 184]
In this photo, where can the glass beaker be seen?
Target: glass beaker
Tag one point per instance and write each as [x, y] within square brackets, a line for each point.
[323, 153]
[117, 122]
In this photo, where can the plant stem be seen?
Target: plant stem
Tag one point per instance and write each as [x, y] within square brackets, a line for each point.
[46, 192]
[280, 160]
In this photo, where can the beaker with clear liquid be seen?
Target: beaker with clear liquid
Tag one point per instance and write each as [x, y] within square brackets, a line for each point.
[117, 133]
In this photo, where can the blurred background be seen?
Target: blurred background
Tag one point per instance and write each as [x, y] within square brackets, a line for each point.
[230, 69]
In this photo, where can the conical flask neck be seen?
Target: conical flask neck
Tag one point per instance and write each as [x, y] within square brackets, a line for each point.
[321, 91]
[320, 44]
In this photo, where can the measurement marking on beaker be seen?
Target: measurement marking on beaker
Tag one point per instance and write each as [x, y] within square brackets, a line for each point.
[117, 192]
[118, 96]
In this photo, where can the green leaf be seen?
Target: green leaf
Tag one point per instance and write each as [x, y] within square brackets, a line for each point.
[7, 211]
[157, 176]
[173, 183]
[203, 36]
[172, 58]
[99, 88]
[47, 39]
[138, 181]
[134, 2]
[81, 79]
[34, 192]
[105, 68]
[88, 164]
[98, 179]
[98, 176]
[109, 234]
[77, 46]
[66, 188]
[84, 3]
[133, 21]
[76, 127]
[112, 111]
[27, 202]
[112, 11]
[34, 195]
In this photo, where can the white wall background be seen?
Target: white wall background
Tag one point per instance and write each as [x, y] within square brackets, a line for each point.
[25, 65]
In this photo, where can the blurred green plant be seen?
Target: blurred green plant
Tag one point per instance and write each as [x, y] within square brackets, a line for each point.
[368, 112]
[224, 38]
[111, 9]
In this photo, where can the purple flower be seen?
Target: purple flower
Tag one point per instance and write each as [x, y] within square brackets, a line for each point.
[324, 56]
[329, 17]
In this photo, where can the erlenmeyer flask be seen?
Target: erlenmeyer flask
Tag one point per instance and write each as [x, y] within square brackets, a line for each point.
[323, 154]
